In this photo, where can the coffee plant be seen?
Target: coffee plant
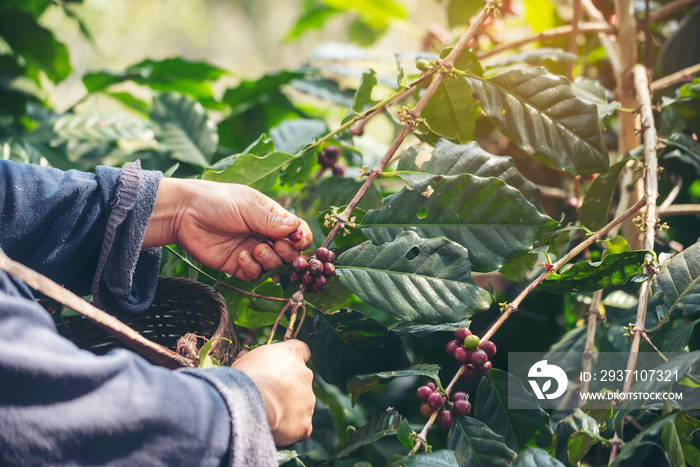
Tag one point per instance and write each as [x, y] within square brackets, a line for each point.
[537, 190]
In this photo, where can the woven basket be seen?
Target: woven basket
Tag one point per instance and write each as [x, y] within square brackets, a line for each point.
[181, 307]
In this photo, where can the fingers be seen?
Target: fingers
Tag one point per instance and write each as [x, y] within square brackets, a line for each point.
[299, 348]
[248, 268]
[266, 257]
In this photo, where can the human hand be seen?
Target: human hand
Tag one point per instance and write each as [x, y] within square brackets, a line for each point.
[224, 226]
[280, 373]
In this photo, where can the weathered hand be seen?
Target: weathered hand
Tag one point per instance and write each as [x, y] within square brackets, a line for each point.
[224, 226]
[280, 373]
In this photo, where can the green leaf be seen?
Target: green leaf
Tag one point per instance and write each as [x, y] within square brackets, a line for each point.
[345, 343]
[376, 14]
[576, 435]
[595, 210]
[205, 360]
[185, 130]
[534, 457]
[414, 279]
[485, 215]
[673, 336]
[687, 427]
[679, 280]
[261, 173]
[646, 437]
[672, 443]
[93, 127]
[363, 95]
[380, 426]
[418, 329]
[360, 384]
[452, 159]
[615, 269]
[540, 113]
[517, 427]
[36, 45]
[441, 458]
[314, 18]
[679, 365]
[459, 12]
[687, 149]
[474, 443]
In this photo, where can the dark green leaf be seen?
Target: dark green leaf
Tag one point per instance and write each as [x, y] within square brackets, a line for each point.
[642, 441]
[595, 209]
[687, 427]
[360, 384]
[534, 457]
[517, 427]
[256, 172]
[540, 113]
[325, 89]
[537, 56]
[485, 215]
[405, 434]
[345, 343]
[680, 365]
[36, 45]
[679, 280]
[576, 435]
[673, 336]
[93, 127]
[615, 269]
[452, 159]
[474, 443]
[381, 425]
[672, 443]
[687, 149]
[414, 279]
[441, 458]
[185, 129]
[291, 136]
[417, 329]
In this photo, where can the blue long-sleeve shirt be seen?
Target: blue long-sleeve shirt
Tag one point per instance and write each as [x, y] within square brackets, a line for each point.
[60, 405]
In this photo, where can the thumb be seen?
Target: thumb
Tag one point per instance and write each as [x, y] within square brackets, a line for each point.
[273, 225]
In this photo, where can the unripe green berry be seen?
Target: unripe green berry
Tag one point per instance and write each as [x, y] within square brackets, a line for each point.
[422, 64]
[472, 342]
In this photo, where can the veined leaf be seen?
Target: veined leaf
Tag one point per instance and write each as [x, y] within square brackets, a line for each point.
[441, 458]
[576, 434]
[185, 129]
[453, 159]
[673, 336]
[679, 280]
[256, 172]
[474, 443]
[360, 384]
[345, 344]
[615, 269]
[686, 149]
[642, 440]
[688, 427]
[380, 426]
[540, 113]
[414, 279]
[534, 457]
[517, 427]
[485, 215]
[595, 209]
[678, 365]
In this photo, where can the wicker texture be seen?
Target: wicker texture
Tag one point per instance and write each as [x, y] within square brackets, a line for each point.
[181, 307]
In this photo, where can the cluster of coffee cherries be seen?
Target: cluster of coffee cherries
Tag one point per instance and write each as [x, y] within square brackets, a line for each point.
[468, 348]
[315, 272]
[328, 158]
[433, 400]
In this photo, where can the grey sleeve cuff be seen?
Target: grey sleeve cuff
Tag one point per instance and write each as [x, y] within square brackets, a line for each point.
[126, 275]
[251, 439]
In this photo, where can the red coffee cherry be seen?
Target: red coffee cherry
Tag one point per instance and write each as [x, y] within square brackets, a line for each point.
[431, 385]
[315, 267]
[459, 395]
[328, 269]
[488, 347]
[296, 235]
[461, 408]
[478, 357]
[426, 410]
[451, 347]
[444, 419]
[436, 400]
[299, 264]
[470, 373]
[462, 355]
[423, 392]
[461, 334]
[485, 368]
[322, 254]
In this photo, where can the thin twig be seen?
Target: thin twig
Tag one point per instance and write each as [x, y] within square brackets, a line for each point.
[668, 9]
[154, 352]
[641, 86]
[646, 24]
[512, 307]
[591, 325]
[549, 34]
[573, 40]
[680, 210]
[677, 184]
[686, 74]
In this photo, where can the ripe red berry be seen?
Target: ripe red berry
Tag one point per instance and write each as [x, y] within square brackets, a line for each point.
[431, 385]
[472, 342]
[338, 171]
[461, 408]
[469, 373]
[462, 354]
[315, 267]
[459, 395]
[320, 281]
[295, 278]
[485, 368]
[444, 419]
[322, 254]
[299, 264]
[307, 278]
[325, 161]
[423, 392]
[451, 347]
[436, 400]
[488, 347]
[328, 269]
[478, 357]
[426, 410]
[461, 334]
[332, 152]
[316, 289]
[296, 235]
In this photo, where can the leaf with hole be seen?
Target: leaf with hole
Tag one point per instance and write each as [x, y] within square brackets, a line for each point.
[615, 269]
[417, 164]
[345, 343]
[540, 113]
[474, 443]
[518, 427]
[491, 219]
[426, 281]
